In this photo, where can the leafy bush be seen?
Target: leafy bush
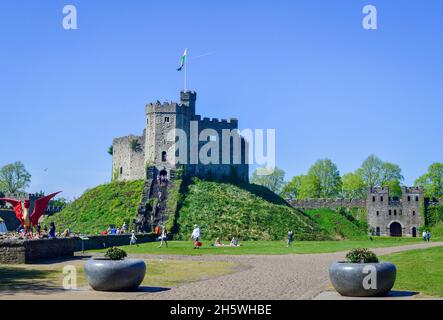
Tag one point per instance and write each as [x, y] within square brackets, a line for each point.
[115, 254]
[361, 256]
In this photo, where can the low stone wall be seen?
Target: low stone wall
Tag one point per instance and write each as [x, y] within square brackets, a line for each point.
[328, 203]
[102, 242]
[15, 251]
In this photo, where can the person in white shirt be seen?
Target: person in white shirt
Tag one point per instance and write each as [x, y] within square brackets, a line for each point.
[424, 235]
[164, 237]
[196, 234]
[133, 238]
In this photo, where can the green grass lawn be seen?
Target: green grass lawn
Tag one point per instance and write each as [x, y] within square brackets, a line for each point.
[419, 270]
[160, 273]
[265, 247]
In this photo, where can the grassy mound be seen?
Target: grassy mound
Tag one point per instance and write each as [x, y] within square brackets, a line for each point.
[247, 212]
[338, 224]
[437, 232]
[113, 203]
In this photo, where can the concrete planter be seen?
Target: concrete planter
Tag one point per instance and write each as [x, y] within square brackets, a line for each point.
[109, 275]
[352, 279]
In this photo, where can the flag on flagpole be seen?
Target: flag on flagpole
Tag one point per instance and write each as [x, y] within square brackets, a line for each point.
[183, 60]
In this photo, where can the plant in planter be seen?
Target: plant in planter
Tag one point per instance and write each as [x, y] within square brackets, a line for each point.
[114, 272]
[362, 275]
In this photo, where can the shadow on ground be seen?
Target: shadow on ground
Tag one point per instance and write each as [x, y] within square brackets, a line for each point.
[13, 279]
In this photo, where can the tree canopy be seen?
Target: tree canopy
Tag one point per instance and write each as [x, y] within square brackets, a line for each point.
[14, 178]
[432, 181]
[274, 181]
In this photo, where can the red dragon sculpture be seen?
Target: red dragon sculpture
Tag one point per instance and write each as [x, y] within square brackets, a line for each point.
[21, 209]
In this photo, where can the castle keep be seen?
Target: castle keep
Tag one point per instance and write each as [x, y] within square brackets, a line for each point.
[176, 136]
[387, 215]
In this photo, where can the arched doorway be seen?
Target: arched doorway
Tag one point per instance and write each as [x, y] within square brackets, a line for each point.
[395, 229]
[414, 232]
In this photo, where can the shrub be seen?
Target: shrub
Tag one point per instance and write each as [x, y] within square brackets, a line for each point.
[361, 256]
[115, 254]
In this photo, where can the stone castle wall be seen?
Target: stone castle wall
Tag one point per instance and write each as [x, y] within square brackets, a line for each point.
[128, 164]
[386, 215]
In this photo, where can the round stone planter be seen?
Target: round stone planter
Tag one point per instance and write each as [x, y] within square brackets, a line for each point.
[363, 279]
[109, 275]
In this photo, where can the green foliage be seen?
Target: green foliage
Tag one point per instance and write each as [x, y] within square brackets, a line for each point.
[353, 186]
[309, 187]
[115, 254]
[437, 231]
[434, 215]
[432, 181]
[291, 190]
[14, 178]
[111, 150]
[98, 208]
[340, 225]
[136, 146]
[224, 211]
[394, 188]
[174, 203]
[376, 173]
[361, 256]
[328, 176]
[273, 181]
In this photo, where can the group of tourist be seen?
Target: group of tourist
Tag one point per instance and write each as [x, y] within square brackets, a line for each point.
[426, 236]
[112, 230]
[234, 243]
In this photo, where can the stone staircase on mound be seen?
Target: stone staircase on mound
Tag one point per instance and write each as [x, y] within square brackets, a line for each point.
[152, 210]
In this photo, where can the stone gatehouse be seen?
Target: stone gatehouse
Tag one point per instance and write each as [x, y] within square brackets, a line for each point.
[387, 215]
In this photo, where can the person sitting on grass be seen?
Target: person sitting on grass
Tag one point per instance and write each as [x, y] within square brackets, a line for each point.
[234, 243]
[218, 243]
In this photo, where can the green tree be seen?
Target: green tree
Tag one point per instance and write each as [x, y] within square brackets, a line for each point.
[432, 181]
[329, 177]
[353, 186]
[394, 188]
[14, 178]
[371, 171]
[390, 172]
[273, 181]
[111, 150]
[310, 187]
[292, 188]
[136, 146]
[376, 173]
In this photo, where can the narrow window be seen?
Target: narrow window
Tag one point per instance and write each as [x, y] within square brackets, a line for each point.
[381, 199]
[409, 198]
[121, 170]
[212, 138]
[378, 213]
[164, 156]
[395, 212]
[413, 213]
[390, 212]
[166, 119]
[373, 199]
[416, 198]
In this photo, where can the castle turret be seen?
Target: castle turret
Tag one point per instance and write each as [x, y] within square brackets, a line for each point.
[189, 98]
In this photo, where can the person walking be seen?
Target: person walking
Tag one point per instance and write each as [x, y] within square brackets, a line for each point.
[290, 238]
[428, 236]
[133, 239]
[424, 235]
[164, 237]
[196, 234]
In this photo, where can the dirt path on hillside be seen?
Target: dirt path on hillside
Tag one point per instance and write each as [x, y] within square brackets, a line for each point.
[288, 277]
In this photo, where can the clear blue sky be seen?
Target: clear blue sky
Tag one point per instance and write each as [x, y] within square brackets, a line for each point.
[306, 68]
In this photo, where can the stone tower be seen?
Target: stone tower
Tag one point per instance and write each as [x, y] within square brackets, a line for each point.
[157, 147]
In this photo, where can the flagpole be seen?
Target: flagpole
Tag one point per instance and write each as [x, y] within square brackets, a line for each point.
[186, 64]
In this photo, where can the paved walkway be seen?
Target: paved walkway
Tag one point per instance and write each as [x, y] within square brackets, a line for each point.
[287, 277]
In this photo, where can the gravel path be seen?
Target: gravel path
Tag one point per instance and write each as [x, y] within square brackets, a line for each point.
[281, 277]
